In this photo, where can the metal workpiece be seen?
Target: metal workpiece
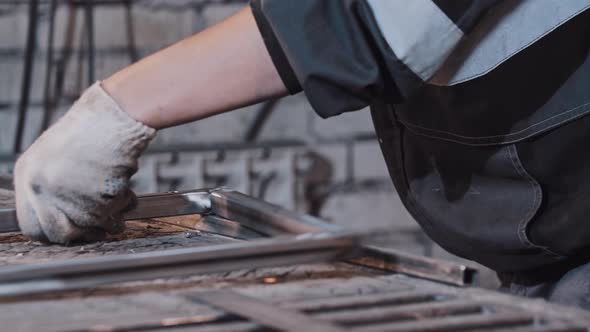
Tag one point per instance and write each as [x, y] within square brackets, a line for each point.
[265, 217]
[237, 215]
[418, 266]
[148, 206]
[93, 272]
[272, 220]
[169, 204]
[265, 314]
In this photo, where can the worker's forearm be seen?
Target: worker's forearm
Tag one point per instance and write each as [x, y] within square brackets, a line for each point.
[223, 68]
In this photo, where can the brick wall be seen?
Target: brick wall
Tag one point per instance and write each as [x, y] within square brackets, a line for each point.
[329, 167]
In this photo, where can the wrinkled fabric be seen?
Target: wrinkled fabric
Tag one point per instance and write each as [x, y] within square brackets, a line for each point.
[346, 54]
[72, 183]
[569, 287]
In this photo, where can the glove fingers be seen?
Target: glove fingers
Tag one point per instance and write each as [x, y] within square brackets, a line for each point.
[29, 222]
[113, 223]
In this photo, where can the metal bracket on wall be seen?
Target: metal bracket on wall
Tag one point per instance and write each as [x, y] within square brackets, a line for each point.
[293, 238]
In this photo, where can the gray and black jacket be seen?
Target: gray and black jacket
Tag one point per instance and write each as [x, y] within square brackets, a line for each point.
[479, 107]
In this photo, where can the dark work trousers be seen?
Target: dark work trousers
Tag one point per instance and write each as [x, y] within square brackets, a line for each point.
[571, 288]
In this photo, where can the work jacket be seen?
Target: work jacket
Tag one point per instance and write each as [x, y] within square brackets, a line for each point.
[479, 107]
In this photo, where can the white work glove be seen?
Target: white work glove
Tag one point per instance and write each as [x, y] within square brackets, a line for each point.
[72, 184]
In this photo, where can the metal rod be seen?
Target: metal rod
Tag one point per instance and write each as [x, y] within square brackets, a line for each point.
[130, 29]
[170, 204]
[382, 314]
[27, 74]
[62, 63]
[359, 301]
[260, 120]
[89, 18]
[453, 323]
[25, 280]
[419, 266]
[264, 313]
[265, 217]
[47, 95]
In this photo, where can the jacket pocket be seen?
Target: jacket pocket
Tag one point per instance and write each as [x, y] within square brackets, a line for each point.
[477, 201]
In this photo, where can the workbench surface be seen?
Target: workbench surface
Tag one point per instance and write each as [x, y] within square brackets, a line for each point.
[340, 296]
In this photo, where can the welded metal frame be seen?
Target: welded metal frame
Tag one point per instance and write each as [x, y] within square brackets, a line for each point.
[294, 238]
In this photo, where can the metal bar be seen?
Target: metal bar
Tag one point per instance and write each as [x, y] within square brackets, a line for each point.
[89, 18]
[418, 266]
[176, 203]
[265, 217]
[16, 281]
[27, 74]
[130, 30]
[382, 314]
[259, 121]
[362, 301]
[264, 313]
[47, 95]
[166, 323]
[453, 324]
[225, 327]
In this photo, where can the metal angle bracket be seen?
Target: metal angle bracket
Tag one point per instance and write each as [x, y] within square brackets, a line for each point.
[169, 204]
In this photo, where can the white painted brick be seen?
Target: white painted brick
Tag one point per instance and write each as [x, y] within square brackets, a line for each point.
[368, 161]
[278, 168]
[106, 65]
[146, 179]
[288, 121]
[366, 209]
[10, 79]
[32, 126]
[63, 14]
[233, 171]
[7, 128]
[109, 26]
[224, 127]
[156, 29]
[337, 156]
[218, 12]
[344, 125]
[13, 28]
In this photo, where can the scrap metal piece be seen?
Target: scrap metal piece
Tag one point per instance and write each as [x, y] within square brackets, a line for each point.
[264, 313]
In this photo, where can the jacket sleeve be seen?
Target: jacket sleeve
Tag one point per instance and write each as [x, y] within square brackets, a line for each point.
[344, 54]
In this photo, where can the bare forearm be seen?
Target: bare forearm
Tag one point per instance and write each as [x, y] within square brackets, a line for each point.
[221, 69]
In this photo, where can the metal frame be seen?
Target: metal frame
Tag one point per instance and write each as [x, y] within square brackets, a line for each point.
[295, 238]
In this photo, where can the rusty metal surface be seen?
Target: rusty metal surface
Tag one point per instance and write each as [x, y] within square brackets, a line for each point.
[265, 314]
[368, 303]
[264, 218]
[368, 294]
[25, 280]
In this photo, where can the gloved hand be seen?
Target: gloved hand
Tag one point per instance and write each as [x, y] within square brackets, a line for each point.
[73, 182]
